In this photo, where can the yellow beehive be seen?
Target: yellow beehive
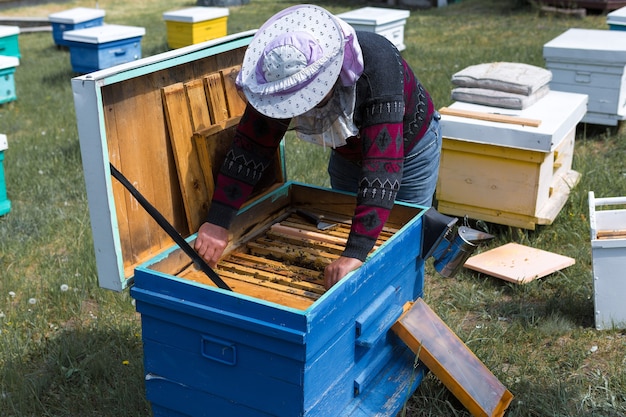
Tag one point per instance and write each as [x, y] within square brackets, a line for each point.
[509, 173]
[194, 25]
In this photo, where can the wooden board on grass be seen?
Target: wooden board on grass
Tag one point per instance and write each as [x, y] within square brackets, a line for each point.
[518, 263]
[456, 366]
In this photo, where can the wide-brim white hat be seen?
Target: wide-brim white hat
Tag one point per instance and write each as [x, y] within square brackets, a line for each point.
[298, 90]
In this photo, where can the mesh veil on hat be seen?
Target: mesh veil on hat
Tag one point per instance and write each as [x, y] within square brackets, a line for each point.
[294, 60]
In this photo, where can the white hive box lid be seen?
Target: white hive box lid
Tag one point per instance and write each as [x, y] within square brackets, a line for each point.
[617, 16]
[373, 16]
[559, 112]
[8, 61]
[103, 34]
[196, 14]
[4, 144]
[76, 15]
[9, 30]
[588, 46]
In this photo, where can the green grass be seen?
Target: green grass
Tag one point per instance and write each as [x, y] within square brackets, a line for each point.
[69, 348]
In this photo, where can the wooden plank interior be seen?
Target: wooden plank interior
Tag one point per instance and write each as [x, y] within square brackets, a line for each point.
[190, 175]
[139, 146]
[236, 101]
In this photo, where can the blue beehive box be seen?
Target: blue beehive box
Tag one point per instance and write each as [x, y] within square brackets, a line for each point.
[9, 45]
[7, 79]
[617, 19]
[76, 18]
[105, 46]
[5, 203]
[281, 346]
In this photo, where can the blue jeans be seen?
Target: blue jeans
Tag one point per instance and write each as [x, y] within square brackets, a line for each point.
[419, 175]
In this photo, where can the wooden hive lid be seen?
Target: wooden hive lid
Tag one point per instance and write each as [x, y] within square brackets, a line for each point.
[142, 117]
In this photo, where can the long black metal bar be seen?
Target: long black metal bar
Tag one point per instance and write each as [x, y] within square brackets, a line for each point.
[170, 230]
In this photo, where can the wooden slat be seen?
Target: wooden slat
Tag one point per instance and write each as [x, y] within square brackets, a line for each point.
[490, 117]
[190, 175]
[200, 117]
[611, 234]
[305, 233]
[236, 103]
[311, 243]
[301, 257]
[260, 274]
[288, 270]
[218, 106]
[254, 290]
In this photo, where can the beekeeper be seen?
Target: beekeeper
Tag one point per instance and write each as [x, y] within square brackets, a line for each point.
[309, 71]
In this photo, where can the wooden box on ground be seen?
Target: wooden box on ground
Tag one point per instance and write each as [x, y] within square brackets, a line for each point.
[105, 46]
[9, 43]
[72, 19]
[5, 203]
[278, 344]
[8, 64]
[607, 218]
[592, 62]
[386, 22]
[194, 25]
[508, 173]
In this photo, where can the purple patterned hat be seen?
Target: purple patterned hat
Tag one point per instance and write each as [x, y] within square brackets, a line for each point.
[293, 61]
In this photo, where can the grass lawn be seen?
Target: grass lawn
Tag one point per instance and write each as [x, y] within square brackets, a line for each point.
[69, 348]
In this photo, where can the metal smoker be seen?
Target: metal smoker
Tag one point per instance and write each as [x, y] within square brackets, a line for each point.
[449, 249]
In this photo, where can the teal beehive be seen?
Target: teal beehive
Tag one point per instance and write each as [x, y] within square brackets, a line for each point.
[9, 45]
[5, 203]
[7, 79]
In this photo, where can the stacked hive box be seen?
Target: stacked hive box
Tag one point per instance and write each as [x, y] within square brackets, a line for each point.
[386, 22]
[8, 64]
[607, 218]
[507, 172]
[104, 46]
[5, 203]
[9, 61]
[591, 62]
[73, 19]
[9, 45]
[194, 25]
[617, 19]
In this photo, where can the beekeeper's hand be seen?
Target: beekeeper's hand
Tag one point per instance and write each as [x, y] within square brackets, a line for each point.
[211, 242]
[338, 269]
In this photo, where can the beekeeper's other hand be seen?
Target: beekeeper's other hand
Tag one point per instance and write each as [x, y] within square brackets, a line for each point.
[211, 242]
[338, 269]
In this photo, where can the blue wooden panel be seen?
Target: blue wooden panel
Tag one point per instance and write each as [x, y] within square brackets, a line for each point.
[238, 384]
[252, 352]
[172, 399]
[89, 57]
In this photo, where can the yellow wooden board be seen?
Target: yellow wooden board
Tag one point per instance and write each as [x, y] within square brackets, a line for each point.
[452, 361]
[518, 263]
